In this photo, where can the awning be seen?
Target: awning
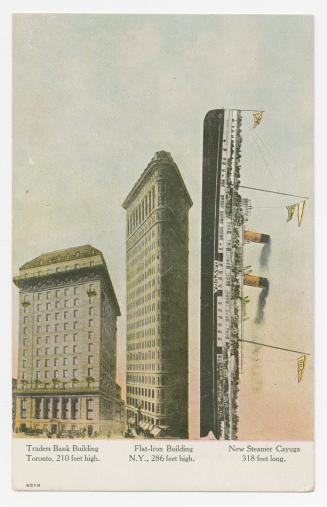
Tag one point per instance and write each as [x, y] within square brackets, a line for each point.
[146, 426]
[142, 424]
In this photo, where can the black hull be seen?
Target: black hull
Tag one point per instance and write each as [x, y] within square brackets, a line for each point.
[211, 174]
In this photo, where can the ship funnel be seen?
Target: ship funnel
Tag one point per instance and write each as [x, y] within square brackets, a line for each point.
[255, 281]
[256, 237]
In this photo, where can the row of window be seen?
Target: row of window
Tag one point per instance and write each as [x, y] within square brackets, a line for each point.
[143, 333]
[145, 367]
[56, 351]
[57, 409]
[66, 325]
[139, 214]
[65, 373]
[141, 391]
[147, 344]
[160, 380]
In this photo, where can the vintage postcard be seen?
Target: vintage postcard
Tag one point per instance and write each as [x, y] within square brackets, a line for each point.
[163, 175]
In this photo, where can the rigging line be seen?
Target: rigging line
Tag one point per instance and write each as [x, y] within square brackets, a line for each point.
[274, 192]
[270, 153]
[274, 347]
[262, 154]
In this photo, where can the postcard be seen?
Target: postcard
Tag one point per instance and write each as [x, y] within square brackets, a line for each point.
[163, 246]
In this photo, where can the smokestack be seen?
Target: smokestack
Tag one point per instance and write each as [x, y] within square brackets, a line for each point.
[255, 281]
[256, 237]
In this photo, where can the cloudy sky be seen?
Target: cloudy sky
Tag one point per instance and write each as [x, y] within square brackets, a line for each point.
[95, 96]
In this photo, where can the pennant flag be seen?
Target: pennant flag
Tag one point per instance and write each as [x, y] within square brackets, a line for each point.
[300, 367]
[257, 117]
[300, 211]
[290, 211]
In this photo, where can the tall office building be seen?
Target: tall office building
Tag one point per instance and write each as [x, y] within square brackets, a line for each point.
[67, 345]
[157, 300]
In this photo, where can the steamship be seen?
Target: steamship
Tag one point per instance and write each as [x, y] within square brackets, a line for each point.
[225, 230]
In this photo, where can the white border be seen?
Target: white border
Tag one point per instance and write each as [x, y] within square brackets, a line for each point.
[315, 7]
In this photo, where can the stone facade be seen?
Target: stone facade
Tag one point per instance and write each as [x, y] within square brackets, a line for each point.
[157, 300]
[67, 346]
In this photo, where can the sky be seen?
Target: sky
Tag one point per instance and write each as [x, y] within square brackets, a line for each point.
[95, 96]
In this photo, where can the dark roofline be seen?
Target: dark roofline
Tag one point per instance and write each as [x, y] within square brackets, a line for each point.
[97, 252]
[159, 157]
[48, 256]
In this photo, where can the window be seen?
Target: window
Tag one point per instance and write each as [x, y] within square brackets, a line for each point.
[65, 373]
[64, 361]
[38, 318]
[74, 373]
[89, 408]
[56, 316]
[47, 351]
[46, 409]
[46, 362]
[55, 373]
[65, 349]
[90, 359]
[66, 301]
[37, 374]
[55, 413]
[74, 408]
[57, 305]
[65, 337]
[75, 301]
[48, 294]
[56, 350]
[75, 313]
[74, 348]
[37, 363]
[23, 409]
[75, 324]
[55, 362]
[90, 347]
[25, 330]
[24, 363]
[75, 290]
[39, 296]
[74, 361]
[56, 338]
[90, 372]
[65, 326]
[25, 352]
[25, 320]
[90, 335]
[91, 310]
[57, 294]
[46, 374]
[91, 322]
[38, 352]
[47, 328]
[47, 306]
[47, 339]
[75, 336]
